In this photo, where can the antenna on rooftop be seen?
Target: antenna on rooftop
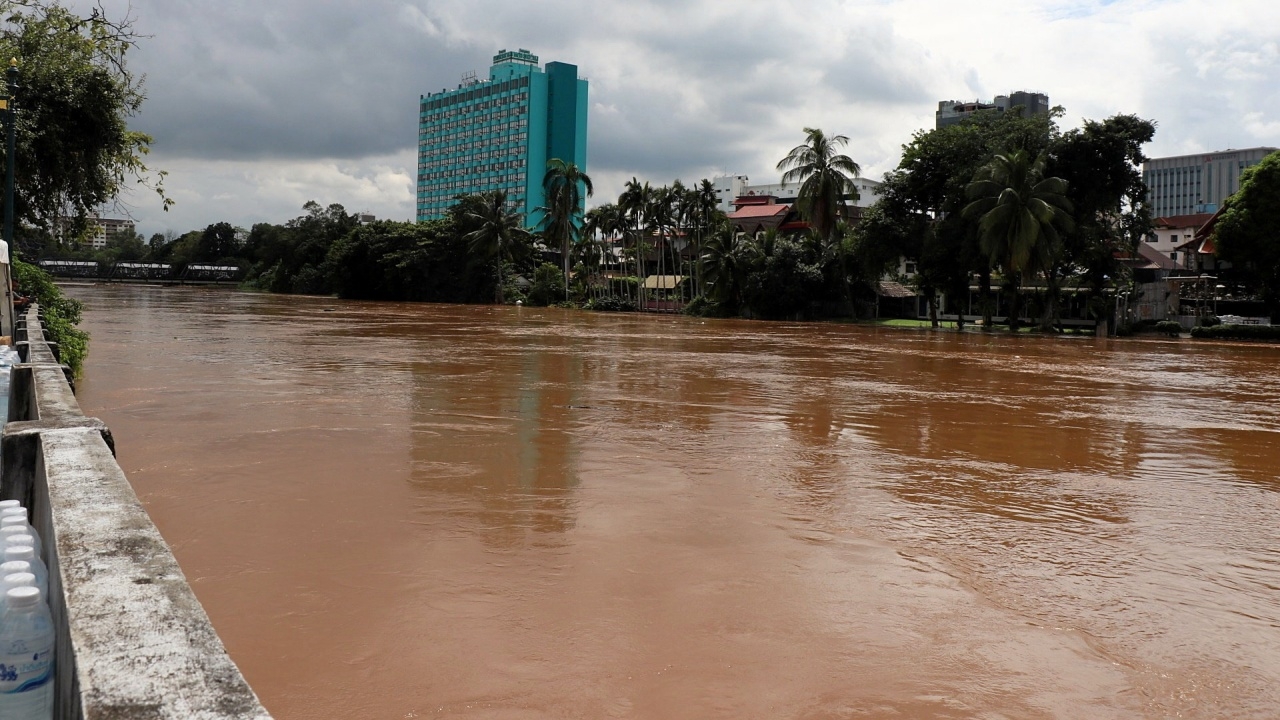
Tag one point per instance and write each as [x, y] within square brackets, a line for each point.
[469, 78]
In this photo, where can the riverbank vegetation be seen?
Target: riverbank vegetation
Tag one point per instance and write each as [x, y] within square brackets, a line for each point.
[61, 313]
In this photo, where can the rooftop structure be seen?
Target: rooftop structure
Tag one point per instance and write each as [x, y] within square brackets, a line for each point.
[951, 112]
[729, 188]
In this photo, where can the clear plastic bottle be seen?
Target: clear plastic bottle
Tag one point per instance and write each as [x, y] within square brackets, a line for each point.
[13, 580]
[7, 521]
[37, 567]
[11, 534]
[26, 656]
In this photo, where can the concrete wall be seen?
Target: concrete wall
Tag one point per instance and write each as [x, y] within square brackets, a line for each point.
[133, 641]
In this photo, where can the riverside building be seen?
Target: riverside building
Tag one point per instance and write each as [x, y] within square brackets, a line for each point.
[499, 134]
[1191, 184]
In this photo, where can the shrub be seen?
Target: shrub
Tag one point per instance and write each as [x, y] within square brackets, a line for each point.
[1169, 327]
[61, 313]
[548, 285]
[1237, 332]
[611, 304]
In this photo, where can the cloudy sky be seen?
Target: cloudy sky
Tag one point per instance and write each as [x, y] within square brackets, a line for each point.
[259, 106]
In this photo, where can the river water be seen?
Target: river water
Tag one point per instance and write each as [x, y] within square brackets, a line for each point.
[422, 511]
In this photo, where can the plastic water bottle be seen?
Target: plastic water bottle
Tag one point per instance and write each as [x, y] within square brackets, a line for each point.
[11, 534]
[26, 656]
[37, 567]
[13, 580]
[21, 521]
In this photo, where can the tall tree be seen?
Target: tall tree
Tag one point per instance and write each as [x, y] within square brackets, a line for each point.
[1019, 213]
[636, 201]
[1246, 232]
[75, 151]
[566, 187]
[825, 176]
[498, 233]
[600, 225]
[1100, 163]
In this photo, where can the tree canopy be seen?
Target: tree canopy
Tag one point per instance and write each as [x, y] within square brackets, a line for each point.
[1248, 231]
[75, 151]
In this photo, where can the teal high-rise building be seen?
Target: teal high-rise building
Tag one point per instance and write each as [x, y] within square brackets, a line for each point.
[499, 134]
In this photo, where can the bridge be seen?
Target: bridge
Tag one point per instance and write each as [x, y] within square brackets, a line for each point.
[132, 641]
[155, 273]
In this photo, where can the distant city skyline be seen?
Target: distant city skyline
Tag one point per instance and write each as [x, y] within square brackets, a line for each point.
[257, 108]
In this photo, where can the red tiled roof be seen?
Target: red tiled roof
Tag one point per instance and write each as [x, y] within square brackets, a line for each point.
[1175, 222]
[757, 211]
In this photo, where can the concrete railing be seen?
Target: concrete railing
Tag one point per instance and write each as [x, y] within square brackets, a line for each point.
[132, 640]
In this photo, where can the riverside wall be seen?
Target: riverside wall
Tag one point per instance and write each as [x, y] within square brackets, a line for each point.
[133, 642]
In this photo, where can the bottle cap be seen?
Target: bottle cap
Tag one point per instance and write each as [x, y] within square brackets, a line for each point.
[15, 566]
[7, 511]
[10, 504]
[17, 538]
[23, 597]
[19, 552]
[21, 579]
[14, 529]
[7, 520]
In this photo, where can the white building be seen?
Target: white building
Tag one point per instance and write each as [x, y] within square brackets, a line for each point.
[731, 187]
[1170, 232]
[101, 229]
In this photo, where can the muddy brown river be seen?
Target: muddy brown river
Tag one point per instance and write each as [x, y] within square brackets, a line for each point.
[428, 511]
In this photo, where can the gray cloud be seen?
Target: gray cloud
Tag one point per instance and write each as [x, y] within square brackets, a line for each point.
[258, 107]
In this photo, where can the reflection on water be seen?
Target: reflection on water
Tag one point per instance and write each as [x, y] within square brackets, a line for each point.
[396, 510]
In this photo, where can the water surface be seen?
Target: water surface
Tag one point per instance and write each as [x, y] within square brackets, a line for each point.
[400, 510]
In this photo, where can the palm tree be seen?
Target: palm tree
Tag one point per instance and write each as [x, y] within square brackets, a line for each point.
[498, 228]
[722, 265]
[601, 224]
[703, 211]
[563, 186]
[635, 202]
[825, 179]
[1019, 213]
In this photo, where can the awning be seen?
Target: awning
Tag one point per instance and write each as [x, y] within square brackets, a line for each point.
[890, 289]
[662, 282]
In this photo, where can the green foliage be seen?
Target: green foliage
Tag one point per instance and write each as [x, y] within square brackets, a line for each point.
[920, 214]
[61, 313]
[75, 151]
[1169, 327]
[1237, 332]
[610, 304]
[498, 236]
[564, 186]
[783, 277]
[548, 286]
[825, 177]
[1248, 231]
[1019, 211]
